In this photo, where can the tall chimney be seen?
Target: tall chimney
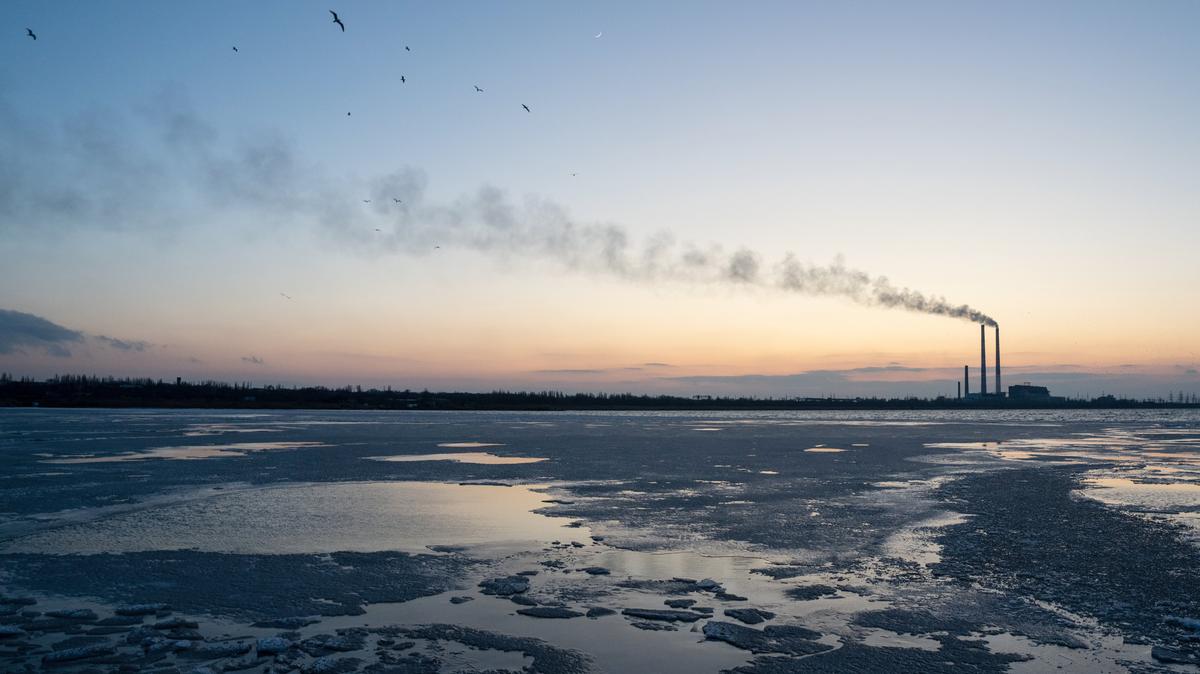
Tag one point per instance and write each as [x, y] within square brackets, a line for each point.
[959, 396]
[999, 390]
[982, 360]
[966, 380]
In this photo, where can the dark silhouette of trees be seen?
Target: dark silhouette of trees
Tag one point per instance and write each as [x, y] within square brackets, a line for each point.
[71, 390]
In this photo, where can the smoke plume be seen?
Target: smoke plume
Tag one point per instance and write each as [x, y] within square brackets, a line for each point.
[489, 223]
[176, 170]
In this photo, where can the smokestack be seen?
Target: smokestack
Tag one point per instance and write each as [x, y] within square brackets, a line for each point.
[998, 389]
[959, 396]
[982, 361]
[966, 380]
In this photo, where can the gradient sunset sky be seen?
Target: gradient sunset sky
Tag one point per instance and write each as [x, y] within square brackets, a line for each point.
[171, 207]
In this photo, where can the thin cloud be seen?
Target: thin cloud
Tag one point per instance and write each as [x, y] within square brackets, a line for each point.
[895, 367]
[847, 376]
[603, 370]
[123, 344]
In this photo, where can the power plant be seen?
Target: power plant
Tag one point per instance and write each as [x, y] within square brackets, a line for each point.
[1025, 393]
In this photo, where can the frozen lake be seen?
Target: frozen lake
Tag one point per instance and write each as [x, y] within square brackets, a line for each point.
[916, 541]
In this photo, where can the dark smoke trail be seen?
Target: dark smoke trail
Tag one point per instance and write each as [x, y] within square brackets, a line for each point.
[836, 279]
[184, 173]
[490, 224]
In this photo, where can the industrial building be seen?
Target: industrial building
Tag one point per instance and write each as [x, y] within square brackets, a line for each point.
[1028, 391]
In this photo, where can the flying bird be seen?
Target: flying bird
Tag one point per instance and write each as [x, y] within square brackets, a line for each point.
[598, 35]
[235, 48]
[366, 201]
[402, 80]
[378, 229]
[337, 20]
[406, 48]
[478, 89]
[397, 200]
[29, 32]
[347, 114]
[285, 296]
[574, 174]
[526, 108]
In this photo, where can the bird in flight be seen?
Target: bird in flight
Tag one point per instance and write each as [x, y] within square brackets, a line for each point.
[526, 108]
[235, 48]
[337, 20]
[402, 80]
[378, 229]
[406, 48]
[397, 200]
[478, 89]
[574, 174]
[347, 114]
[285, 296]
[29, 32]
[598, 35]
[366, 201]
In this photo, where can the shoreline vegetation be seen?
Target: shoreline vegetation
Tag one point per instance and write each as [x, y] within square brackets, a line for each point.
[110, 392]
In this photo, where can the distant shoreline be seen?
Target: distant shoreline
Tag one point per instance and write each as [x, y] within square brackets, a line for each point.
[109, 393]
[833, 407]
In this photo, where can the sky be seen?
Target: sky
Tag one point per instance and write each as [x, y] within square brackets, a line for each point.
[749, 198]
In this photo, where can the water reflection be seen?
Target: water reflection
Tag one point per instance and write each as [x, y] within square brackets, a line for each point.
[462, 457]
[1166, 497]
[317, 518]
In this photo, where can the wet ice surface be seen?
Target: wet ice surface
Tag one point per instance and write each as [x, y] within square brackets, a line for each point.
[868, 558]
[186, 452]
[1148, 469]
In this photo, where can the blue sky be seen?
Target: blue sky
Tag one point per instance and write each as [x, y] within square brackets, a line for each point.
[1036, 160]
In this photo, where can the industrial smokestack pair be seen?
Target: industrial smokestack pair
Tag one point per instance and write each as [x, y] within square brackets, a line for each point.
[983, 361]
